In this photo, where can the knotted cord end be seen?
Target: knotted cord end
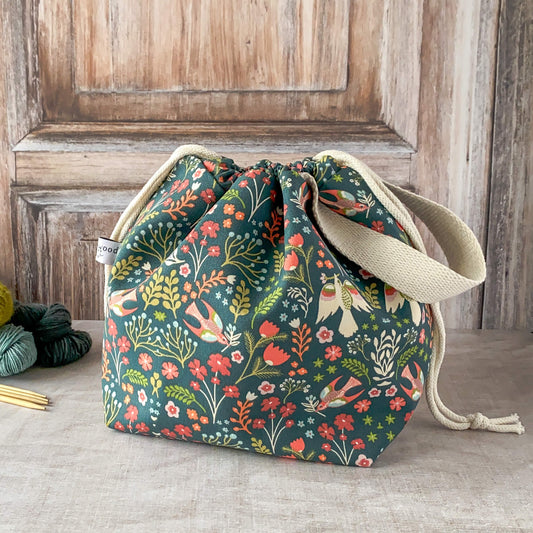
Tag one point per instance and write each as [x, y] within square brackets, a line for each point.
[505, 424]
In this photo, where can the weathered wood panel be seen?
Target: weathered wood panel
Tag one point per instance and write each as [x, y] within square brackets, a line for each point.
[204, 45]
[325, 66]
[20, 107]
[454, 124]
[109, 155]
[508, 296]
[56, 241]
[400, 72]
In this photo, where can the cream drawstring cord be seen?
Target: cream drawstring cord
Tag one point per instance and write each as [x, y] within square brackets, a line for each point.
[369, 249]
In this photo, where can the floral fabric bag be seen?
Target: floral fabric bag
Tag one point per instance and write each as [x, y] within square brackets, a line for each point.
[288, 310]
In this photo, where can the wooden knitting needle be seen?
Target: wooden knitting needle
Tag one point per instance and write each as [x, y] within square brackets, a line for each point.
[40, 401]
[22, 392]
[21, 403]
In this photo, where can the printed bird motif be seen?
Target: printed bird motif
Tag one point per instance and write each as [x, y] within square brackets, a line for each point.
[395, 299]
[210, 329]
[118, 299]
[417, 384]
[344, 203]
[329, 397]
[344, 296]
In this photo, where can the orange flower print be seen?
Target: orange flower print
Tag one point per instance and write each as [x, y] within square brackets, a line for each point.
[298, 445]
[229, 209]
[227, 223]
[397, 403]
[192, 414]
[274, 355]
[239, 215]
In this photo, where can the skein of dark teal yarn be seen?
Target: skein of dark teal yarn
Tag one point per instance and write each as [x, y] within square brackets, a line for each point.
[57, 343]
[17, 350]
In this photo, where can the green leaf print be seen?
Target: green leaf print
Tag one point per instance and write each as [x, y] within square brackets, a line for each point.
[183, 395]
[136, 377]
[357, 368]
[123, 267]
[259, 447]
[240, 305]
[265, 305]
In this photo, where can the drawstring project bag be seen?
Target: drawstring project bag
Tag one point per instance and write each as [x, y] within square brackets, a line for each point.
[288, 310]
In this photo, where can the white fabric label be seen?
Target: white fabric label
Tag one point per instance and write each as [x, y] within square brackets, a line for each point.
[107, 251]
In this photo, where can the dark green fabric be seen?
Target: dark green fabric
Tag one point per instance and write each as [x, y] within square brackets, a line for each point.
[233, 322]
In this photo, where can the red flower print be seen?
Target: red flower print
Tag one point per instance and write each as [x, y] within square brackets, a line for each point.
[168, 434]
[237, 357]
[142, 397]
[198, 173]
[270, 403]
[258, 423]
[324, 335]
[342, 436]
[333, 353]
[358, 444]
[107, 346]
[291, 261]
[344, 421]
[229, 209]
[365, 274]
[296, 240]
[182, 430]
[123, 344]
[118, 425]
[274, 356]
[243, 184]
[145, 361]
[170, 370]
[209, 229]
[298, 445]
[131, 413]
[397, 403]
[213, 251]
[125, 360]
[268, 329]
[326, 432]
[322, 457]
[363, 460]
[195, 385]
[266, 180]
[326, 446]
[197, 370]
[378, 226]
[374, 393]
[231, 391]
[289, 423]
[185, 270]
[209, 165]
[185, 248]
[408, 416]
[203, 242]
[111, 327]
[272, 415]
[362, 406]
[193, 235]
[239, 215]
[219, 363]
[391, 391]
[215, 380]
[172, 410]
[287, 409]
[142, 428]
[422, 336]
[266, 388]
[208, 196]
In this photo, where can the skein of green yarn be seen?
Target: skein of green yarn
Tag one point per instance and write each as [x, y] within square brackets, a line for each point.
[17, 350]
[57, 343]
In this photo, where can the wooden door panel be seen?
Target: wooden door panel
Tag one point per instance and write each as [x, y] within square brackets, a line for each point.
[56, 236]
[211, 45]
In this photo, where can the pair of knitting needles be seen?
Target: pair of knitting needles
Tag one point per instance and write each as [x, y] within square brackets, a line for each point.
[23, 397]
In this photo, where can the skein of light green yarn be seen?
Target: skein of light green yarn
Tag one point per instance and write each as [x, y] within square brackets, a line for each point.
[6, 304]
[17, 350]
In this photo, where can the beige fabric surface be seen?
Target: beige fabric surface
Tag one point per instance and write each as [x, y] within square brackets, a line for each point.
[64, 471]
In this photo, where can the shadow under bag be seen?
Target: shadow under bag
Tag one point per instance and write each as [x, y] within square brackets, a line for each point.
[289, 310]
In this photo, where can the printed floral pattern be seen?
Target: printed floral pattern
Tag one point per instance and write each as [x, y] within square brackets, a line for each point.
[233, 322]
